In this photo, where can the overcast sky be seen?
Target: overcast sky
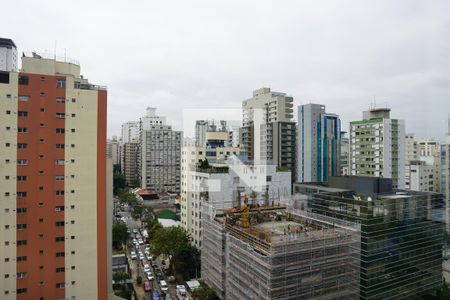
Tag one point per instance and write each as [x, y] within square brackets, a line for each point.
[177, 55]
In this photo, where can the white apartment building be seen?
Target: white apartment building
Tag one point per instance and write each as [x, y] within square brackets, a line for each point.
[224, 186]
[268, 132]
[130, 131]
[377, 146]
[8, 55]
[419, 176]
[411, 148]
[113, 150]
[151, 119]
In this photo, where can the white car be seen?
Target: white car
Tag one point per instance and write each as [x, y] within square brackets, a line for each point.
[141, 242]
[163, 286]
[146, 268]
[149, 275]
[141, 257]
[133, 255]
[135, 241]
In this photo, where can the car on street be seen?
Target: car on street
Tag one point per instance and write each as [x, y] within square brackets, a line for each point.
[156, 295]
[146, 268]
[149, 275]
[181, 291]
[163, 286]
[147, 286]
[141, 242]
[135, 231]
[141, 256]
[133, 255]
[134, 241]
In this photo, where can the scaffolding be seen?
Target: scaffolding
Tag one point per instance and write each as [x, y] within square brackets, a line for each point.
[280, 255]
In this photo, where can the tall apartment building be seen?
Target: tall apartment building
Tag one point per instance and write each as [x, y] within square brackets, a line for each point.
[420, 176]
[318, 143]
[345, 154]
[130, 163]
[445, 174]
[430, 153]
[411, 148]
[160, 159]
[401, 233]
[53, 181]
[130, 131]
[268, 129]
[113, 150]
[8, 55]
[377, 146]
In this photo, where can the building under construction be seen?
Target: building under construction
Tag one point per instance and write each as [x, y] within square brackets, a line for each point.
[266, 252]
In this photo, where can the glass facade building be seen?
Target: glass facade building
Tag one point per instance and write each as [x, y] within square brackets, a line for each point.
[401, 233]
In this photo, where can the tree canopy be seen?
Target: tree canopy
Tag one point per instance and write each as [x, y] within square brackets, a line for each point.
[204, 292]
[120, 234]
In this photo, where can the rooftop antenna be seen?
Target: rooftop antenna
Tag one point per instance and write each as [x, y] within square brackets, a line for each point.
[54, 53]
[448, 120]
[65, 55]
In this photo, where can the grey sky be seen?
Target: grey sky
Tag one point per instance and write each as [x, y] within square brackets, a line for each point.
[210, 54]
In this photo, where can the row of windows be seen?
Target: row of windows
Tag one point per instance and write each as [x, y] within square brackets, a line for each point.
[24, 80]
[25, 114]
[24, 194]
[25, 98]
[58, 239]
[25, 130]
[25, 178]
[25, 145]
[24, 162]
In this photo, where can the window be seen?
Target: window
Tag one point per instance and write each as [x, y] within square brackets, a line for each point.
[22, 162]
[59, 224]
[60, 254]
[60, 115]
[7, 144]
[60, 130]
[22, 113]
[60, 285]
[21, 275]
[21, 291]
[21, 210]
[59, 193]
[42, 109]
[72, 130]
[59, 162]
[59, 208]
[42, 78]
[23, 98]
[21, 178]
[73, 115]
[8, 112]
[22, 146]
[23, 80]
[21, 242]
[59, 239]
[22, 129]
[59, 177]
[61, 83]
[21, 194]
[21, 258]
[41, 125]
[59, 146]
[21, 226]
[60, 100]
[60, 270]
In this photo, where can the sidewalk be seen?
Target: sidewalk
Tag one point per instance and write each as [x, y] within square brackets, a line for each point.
[134, 274]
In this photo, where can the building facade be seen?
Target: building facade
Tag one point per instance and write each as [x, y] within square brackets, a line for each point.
[130, 163]
[318, 143]
[130, 131]
[113, 150]
[268, 131]
[53, 183]
[8, 56]
[377, 146]
[401, 233]
[160, 159]
[345, 154]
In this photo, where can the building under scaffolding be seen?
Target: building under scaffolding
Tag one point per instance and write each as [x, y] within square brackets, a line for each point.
[269, 253]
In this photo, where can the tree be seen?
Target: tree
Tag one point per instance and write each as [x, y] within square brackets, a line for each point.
[119, 181]
[137, 212]
[120, 277]
[139, 280]
[152, 227]
[128, 198]
[186, 261]
[120, 234]
[167, 241]
[204, 292]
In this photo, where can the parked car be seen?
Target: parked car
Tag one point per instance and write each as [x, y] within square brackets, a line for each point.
[141, 256]
[181, 291]
[146, 268]
[149, 275]
[133, 255]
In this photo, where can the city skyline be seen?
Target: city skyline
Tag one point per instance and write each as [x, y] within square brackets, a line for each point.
[345, 56]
